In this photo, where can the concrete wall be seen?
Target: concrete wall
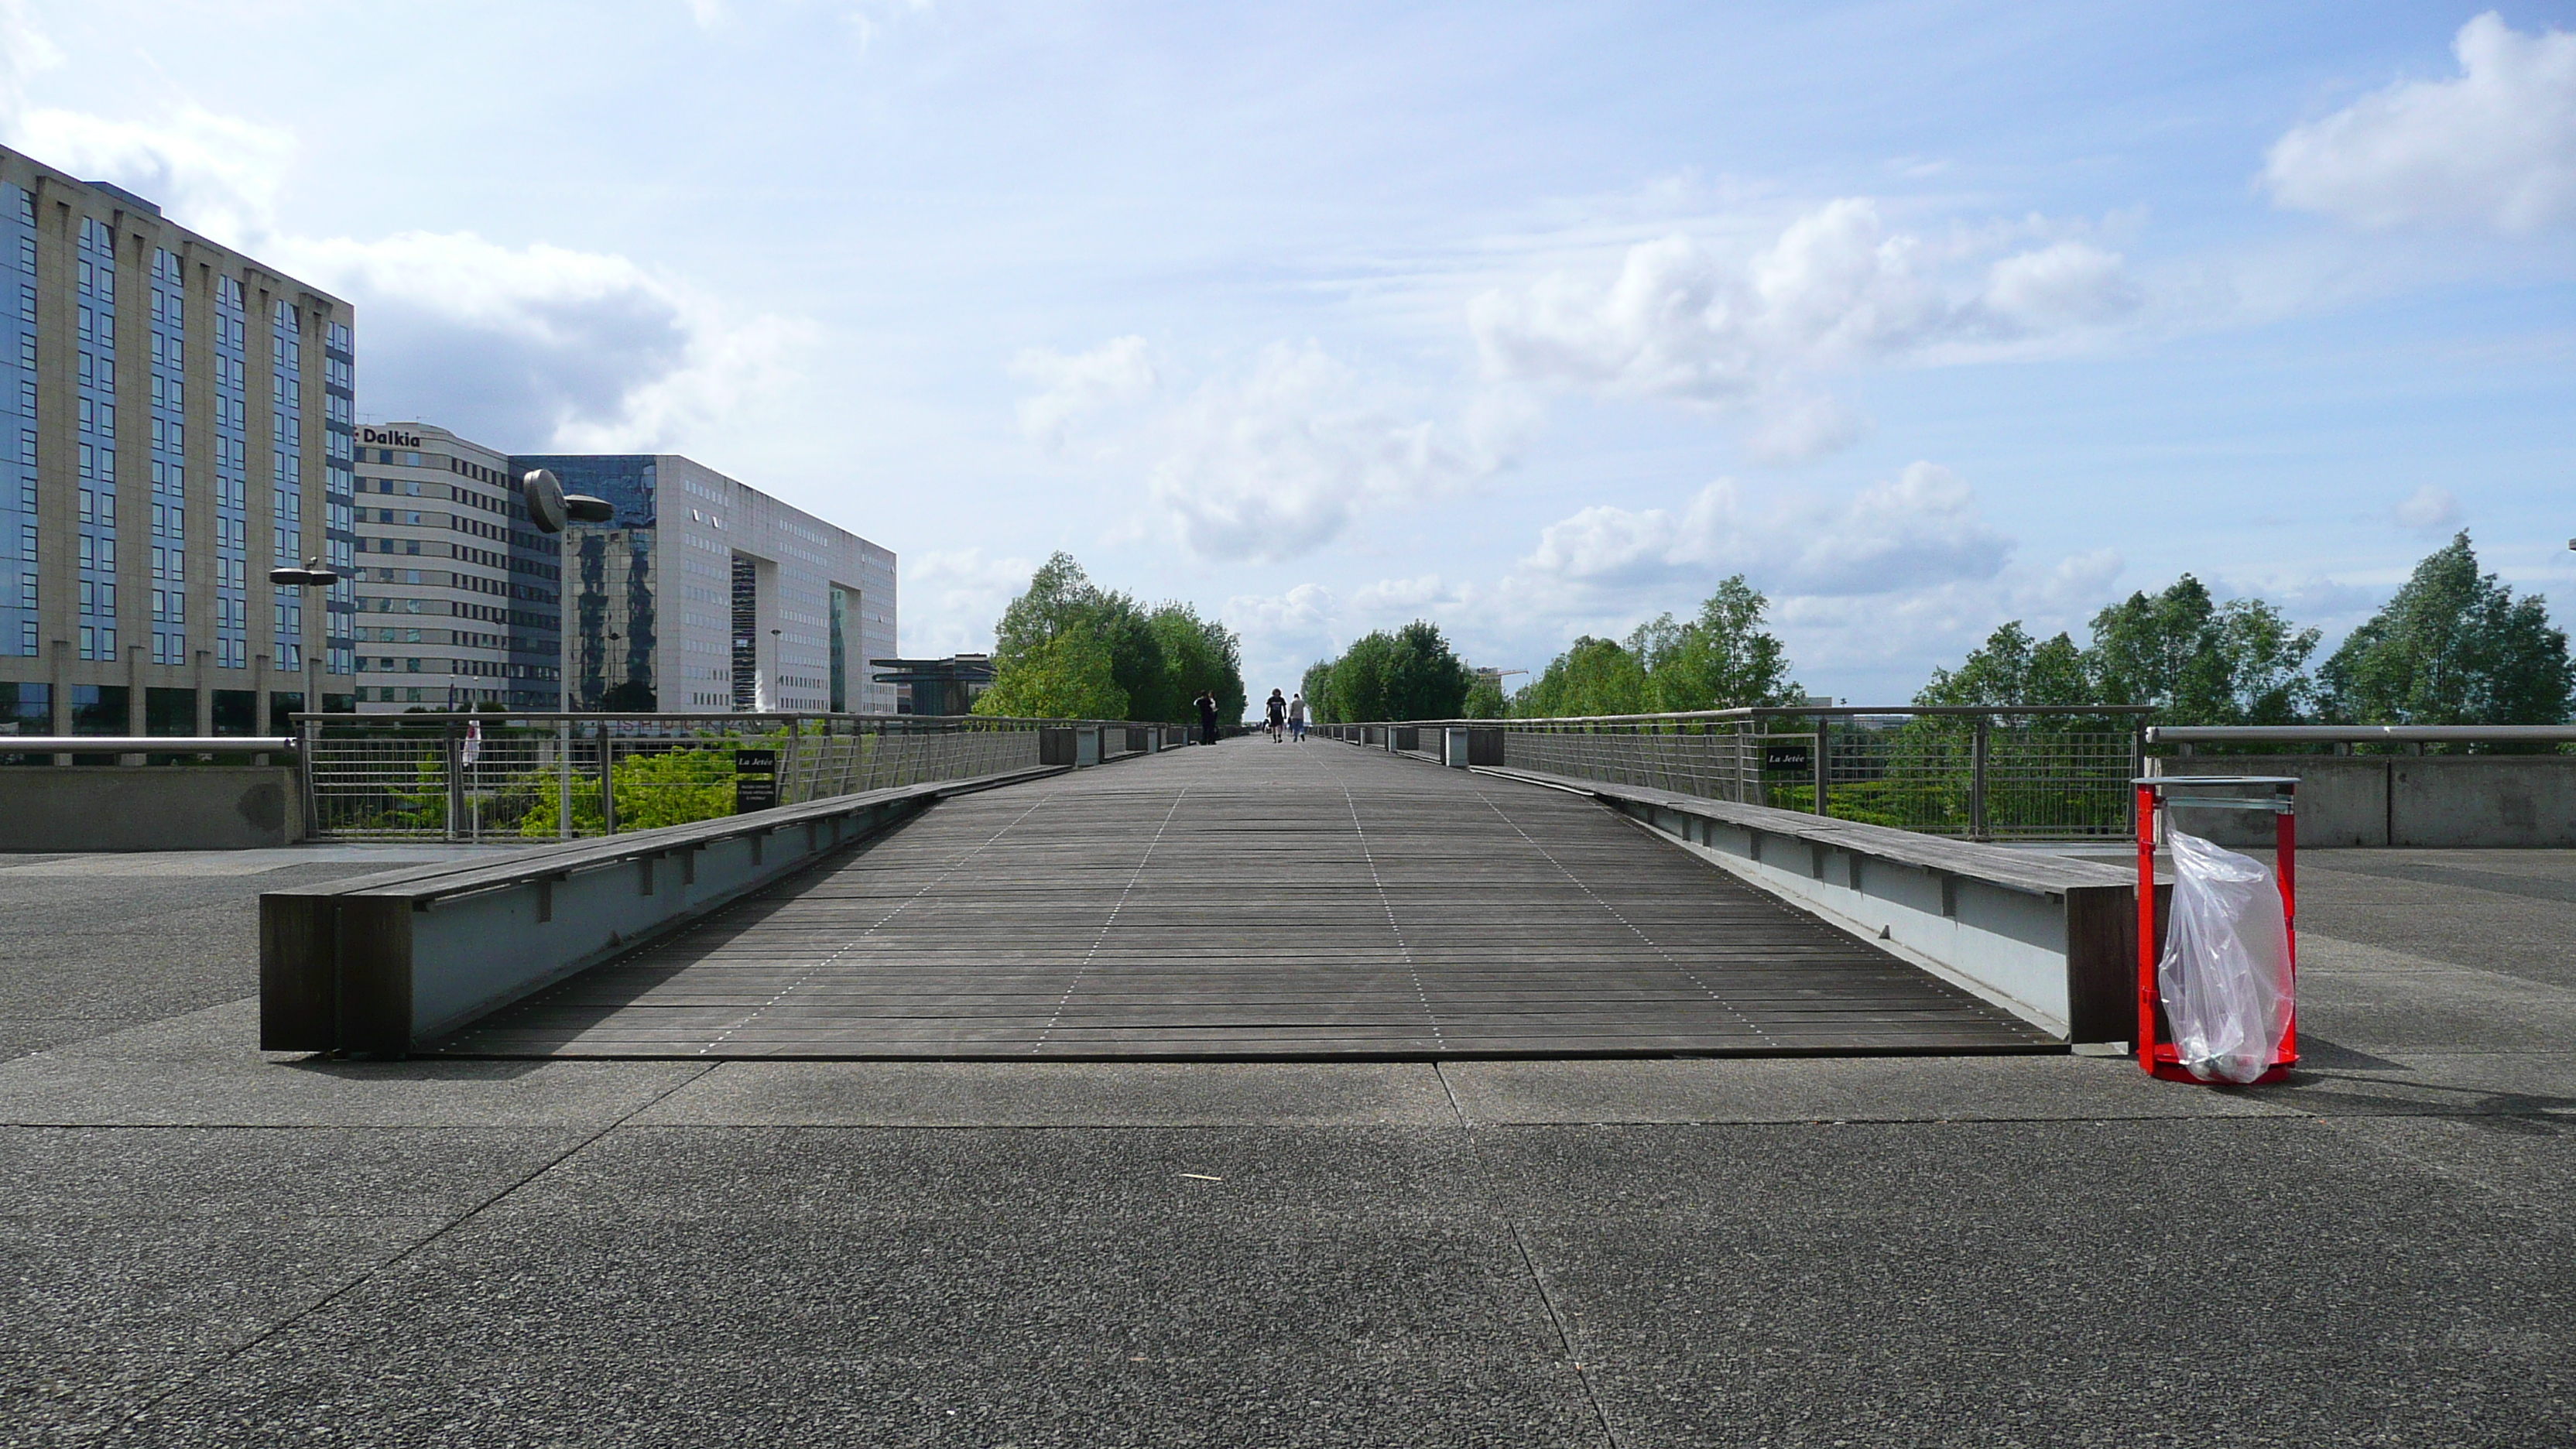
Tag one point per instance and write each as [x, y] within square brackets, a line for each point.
[185, 807]
[2428, 801]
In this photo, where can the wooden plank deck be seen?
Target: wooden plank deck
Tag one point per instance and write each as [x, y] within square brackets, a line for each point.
[1256, 900]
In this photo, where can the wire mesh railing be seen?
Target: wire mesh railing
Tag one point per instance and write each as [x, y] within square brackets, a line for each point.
[1979, 774]
[495, 777]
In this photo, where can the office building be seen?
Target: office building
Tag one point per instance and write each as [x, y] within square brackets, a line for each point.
[460, 599]
[179, 421]
[705, 594]
[935, 686]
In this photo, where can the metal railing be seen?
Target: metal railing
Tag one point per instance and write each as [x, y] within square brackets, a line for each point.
[1980, 774]
[551, 776]
[2187, 739]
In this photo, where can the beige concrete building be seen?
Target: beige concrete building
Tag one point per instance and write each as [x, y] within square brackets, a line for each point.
[179, 420]
[460, 600]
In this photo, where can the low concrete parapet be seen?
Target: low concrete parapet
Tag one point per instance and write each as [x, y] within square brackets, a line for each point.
[381, 963]
[2051, 939]
[2421, 801]
[176, 807]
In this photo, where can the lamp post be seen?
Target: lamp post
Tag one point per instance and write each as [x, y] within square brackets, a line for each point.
[550, 509]
[312, 576]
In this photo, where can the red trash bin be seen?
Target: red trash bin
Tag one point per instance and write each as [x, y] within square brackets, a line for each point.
[2156, 1052]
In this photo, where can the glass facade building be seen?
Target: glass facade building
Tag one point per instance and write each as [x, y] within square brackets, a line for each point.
[703, 593]
[147, 375]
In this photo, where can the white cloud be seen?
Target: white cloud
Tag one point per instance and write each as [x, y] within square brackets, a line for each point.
[1837, 288]
[2494, 146]
[580, 350]
[1282, 460]
[537, 346]
[1793, 428]
[1073, 386]
[1304, 611]
[960, 593]
[2428, 510]
[1916, 530]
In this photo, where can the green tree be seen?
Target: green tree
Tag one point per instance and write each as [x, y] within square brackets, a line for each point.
[1357, 689]
[1067, 676]
[1720, 659]
[1317, 686]
[2010, 669]
[1594, 676]
[2453, 647]
[1723, 659]
[1194, 654]
[1485, 699]
[1425, 678]
[2198, 661]
[1157, 661]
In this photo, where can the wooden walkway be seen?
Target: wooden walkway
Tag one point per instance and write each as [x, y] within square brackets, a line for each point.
[1256, 900]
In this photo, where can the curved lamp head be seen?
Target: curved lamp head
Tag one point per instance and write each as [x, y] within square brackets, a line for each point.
[312, 576]
[550, 508]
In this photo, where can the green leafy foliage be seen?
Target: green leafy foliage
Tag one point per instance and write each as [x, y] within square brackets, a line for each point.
[1411, 673]
[2195, 660]
[1069, 676]
[2454, 647]
[1721, 659]
[1069, 649]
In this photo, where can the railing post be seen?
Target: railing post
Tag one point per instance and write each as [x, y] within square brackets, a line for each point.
[607, 780]
[1977, 748]
[563, 779]
[455, 780]
[1824, 759]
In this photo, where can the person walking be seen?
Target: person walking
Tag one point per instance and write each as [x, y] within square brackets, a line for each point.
[1275, 717]
[1207, 716]
[1297, 717]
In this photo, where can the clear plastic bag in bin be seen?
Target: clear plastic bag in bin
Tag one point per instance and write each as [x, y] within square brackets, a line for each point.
[2225, 976]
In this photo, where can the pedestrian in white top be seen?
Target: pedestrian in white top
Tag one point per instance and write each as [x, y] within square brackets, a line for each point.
[1297, 718]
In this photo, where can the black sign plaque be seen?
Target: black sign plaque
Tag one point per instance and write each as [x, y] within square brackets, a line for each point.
[1789, 757]
[755, 762]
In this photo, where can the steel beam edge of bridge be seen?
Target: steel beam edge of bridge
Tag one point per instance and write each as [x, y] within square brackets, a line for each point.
[2050, 939]
[378, 964]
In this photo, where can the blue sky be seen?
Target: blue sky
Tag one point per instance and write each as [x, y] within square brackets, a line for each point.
[1534, 321]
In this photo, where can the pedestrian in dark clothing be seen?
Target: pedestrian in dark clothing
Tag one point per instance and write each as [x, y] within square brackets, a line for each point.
[1207, 716]
[1275, 717]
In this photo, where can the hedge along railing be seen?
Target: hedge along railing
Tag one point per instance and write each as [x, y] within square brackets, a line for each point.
[553, 776]
[2034, 773]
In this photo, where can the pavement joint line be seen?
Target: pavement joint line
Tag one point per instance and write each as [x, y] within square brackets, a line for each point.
[1656, 946]
[1564, 1334]
[1452, 1094]
[1111, 921]
[187, 1374]
[908, 901]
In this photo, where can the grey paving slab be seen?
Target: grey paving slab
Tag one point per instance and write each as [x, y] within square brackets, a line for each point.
[1052, 1287]
[2510, 911]
[2180, 1282]
[165, 1172]
[1907, 1089]
[1087, 1392]
[2377, 1000]
[1056, 1094]
[2528, 1161]
[203, 1069]
[1056, 1174]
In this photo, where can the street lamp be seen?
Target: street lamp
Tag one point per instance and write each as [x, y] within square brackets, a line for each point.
[314, 575]
[550, 508]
